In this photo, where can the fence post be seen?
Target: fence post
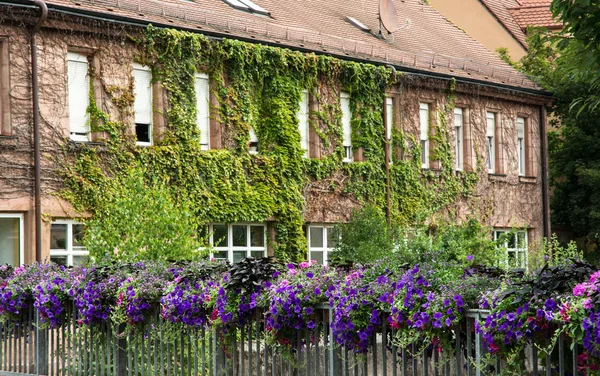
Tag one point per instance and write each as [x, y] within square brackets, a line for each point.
[121, 360]
[218, 361]
[41, 347]
[478, 346]
[335, 354]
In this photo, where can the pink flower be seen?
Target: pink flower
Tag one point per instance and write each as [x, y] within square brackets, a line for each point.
[595, 276]
[587, 304]
[304, 265]
[292, 272]
[579, 290]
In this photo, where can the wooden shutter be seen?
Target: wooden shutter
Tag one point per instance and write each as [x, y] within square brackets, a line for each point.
[203, 109]
[303, 125]
[79, 96]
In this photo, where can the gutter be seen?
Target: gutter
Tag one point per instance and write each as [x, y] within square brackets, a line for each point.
[129, 21]
[36, 128]
[545, 176]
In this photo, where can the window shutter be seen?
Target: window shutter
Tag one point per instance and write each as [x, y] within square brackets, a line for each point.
[424, 121]
[203, 109]
[491, 124]
[303, 126]
[143, 94]
[79, 96]
[521, 127]
[389, 116]
[346, 118]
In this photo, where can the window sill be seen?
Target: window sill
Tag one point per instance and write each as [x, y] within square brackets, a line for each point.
[497, 177]
[8, 142]
[528, 179]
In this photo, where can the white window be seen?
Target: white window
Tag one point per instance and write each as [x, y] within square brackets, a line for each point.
[303, 123]
[142, 77]
[521, 145]
[66, 247]
[11, 239]
[79, 97]
[253, 143]
[515, 244]
[389, 124]
[346, 126]
[491, 141]
[424, 133]
[203, 109]
[458, 136]
[235, 242]
[248, 6]
[322, 240]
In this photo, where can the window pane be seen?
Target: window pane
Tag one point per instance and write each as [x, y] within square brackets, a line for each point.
[220, 235]
[10, 241]
[60, 260]
[79, 260]
[222, 255]
[257, 236]
[316, 237]
[239, 236]
[512, 241]
[142, 132]
[58, 236]
[332, 237]
[258, 254]
[521, 240]
[239, 256]
[317, 256]
[78, 236]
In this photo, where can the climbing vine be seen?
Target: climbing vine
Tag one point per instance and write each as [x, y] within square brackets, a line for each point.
[260, 87]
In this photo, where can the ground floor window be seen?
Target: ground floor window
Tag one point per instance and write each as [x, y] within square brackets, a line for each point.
[11, 239]
[66, 246]
[322, 239]
[235, 242]
[515, 244]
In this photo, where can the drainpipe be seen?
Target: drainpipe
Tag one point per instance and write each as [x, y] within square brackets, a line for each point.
[36, 128]
[387, 155]
[545, 185]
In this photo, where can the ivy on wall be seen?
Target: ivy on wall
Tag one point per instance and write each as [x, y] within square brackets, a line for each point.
[260, 87]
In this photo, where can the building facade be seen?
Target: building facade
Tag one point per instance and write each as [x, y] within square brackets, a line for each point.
[445, 104]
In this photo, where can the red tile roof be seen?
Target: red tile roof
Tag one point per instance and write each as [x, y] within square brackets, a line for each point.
[426, 40]
[534, 13]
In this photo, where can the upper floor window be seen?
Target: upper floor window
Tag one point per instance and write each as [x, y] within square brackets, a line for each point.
[203, 109]
[322, 240]
[79, 96]
[515, 243]
[346, 126]
[142, 77]
[5, 124]
[248, 6]
[66, 246]
[389, 125]
[235, 242]
[491, 141]
[424, 133]
[521, 145]
[458, 137]
[253, 143]
[11, 239]
[303, 123]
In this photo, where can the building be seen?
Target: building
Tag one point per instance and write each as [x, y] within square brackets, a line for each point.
[499, 23]
[490, 117]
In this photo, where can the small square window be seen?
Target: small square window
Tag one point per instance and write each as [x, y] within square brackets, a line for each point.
[142, 133]
[220, 238]
[257, 236]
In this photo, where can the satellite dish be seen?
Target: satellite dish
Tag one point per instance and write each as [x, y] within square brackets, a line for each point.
[388, 16]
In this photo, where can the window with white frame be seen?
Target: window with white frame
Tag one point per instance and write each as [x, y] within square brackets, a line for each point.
[515, 243]
[203, 109]
[66, 246]
[458, 137]
[253, 143]
[79, 96]
[11, 239]
[303, 122]
[235, 242]
[389, 125]
[521, 145]
[346, 126]
[424, 133]
[491, 141]
[142, 77]
[322, 240]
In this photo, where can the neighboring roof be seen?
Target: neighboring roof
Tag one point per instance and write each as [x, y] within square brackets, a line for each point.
[534, 13]
[500, 10]
[426, 40]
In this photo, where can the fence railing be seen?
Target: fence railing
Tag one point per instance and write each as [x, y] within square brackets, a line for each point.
[155, 349]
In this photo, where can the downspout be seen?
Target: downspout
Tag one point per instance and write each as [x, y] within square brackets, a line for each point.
[387, 155]
[36, 128]
[545, 184]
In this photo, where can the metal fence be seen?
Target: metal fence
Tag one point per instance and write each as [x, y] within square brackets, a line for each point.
[155, 349]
